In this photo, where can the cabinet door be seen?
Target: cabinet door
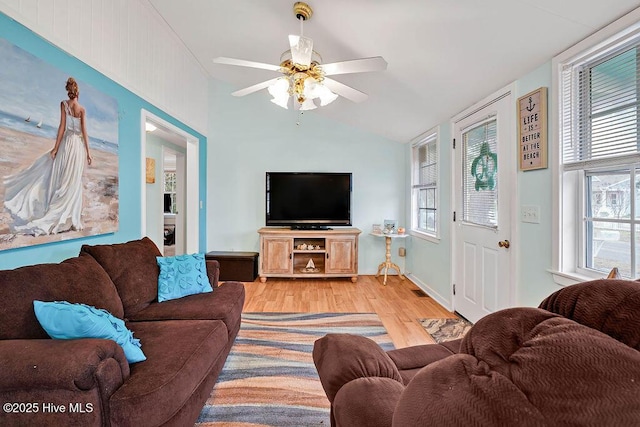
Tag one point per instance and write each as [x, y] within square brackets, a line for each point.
[276, 255]
[341, 255]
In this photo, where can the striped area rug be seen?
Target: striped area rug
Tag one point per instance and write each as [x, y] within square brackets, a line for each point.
[269, 378]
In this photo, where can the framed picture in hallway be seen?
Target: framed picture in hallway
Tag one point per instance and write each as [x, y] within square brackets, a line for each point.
[532, 130]
[59, 145]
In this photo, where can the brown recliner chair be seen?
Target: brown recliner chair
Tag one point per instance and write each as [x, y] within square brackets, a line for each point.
[575, 360]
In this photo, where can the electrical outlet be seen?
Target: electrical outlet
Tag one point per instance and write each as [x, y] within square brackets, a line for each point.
[402, 251]
[530, 214]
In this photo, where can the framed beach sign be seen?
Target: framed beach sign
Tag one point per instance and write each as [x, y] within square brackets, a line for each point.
[532, 129]
[59, 161]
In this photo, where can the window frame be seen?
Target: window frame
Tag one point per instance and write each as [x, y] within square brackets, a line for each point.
[432, 136]
[173, 193]
[569, 192]
[632, 221]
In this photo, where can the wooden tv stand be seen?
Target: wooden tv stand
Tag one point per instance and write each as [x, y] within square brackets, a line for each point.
[286, 253]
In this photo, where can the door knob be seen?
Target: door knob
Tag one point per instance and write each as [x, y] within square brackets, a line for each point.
[504, 244]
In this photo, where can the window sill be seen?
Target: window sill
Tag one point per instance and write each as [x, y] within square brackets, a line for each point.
[572, 278]
[424, 236]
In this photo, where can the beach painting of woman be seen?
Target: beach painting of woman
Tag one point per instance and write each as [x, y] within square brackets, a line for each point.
[58, 154]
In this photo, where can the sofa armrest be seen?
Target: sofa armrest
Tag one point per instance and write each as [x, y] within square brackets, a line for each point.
[418, 356]
[213, 271]
[341, 358]
[74, 365]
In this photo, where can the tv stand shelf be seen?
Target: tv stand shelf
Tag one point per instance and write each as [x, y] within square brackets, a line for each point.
[308, 253]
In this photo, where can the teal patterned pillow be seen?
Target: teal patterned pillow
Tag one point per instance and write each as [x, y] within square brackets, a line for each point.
[182, 275]
[66, 321]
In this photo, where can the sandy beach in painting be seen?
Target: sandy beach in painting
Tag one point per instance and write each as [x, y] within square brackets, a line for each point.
[100, 181]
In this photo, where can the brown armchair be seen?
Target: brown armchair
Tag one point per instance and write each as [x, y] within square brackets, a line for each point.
[575, 360]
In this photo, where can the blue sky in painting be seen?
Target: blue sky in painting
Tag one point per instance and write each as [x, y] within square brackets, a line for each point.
[31, 87]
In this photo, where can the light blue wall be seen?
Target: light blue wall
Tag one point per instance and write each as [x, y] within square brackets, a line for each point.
[535, 188]
[129, 106]
[429, 264]
[248, 136]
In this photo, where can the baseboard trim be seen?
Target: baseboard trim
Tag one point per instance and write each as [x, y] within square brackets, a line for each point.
[431, 292]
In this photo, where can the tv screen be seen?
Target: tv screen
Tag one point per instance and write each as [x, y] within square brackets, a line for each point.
[307, 199]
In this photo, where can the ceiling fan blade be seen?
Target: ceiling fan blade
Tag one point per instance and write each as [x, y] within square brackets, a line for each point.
[245, 63]
[255, 88]
[377, 63]
[344, 90]
[301, 49]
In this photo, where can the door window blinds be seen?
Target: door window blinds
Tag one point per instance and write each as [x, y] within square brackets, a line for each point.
[480, 169]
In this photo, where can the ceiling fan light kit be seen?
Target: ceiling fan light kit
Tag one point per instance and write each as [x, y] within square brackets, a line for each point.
[304, 76]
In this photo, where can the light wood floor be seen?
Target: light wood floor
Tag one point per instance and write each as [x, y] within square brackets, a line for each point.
[397, 305]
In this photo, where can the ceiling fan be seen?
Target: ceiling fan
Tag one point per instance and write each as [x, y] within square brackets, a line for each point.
[304, 76]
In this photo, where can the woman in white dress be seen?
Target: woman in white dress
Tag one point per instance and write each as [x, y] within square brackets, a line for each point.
[46, 198]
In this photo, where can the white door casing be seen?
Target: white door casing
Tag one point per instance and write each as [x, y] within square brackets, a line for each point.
[484, 272]
[180, 203]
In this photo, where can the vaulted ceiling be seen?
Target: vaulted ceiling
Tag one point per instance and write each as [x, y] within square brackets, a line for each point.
[443, 55]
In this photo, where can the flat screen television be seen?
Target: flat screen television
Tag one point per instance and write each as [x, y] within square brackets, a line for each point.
[308, 199]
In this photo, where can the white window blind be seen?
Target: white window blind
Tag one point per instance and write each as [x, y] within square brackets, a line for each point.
[427, 164]
[480, 181]
[600, 100]
[425, 184]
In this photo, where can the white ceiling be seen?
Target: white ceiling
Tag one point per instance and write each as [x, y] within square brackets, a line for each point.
[443, 55]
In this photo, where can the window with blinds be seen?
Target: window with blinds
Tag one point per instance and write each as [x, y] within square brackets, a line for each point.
[600, 143]
[600, 111]
[480, 180]
[425, 185]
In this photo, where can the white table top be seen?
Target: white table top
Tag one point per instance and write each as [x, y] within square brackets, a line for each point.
[393, 235]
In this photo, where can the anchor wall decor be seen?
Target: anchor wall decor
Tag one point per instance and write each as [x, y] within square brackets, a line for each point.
[532, 129]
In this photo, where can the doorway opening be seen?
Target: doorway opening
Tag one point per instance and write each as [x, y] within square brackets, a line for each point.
[173, 189]
[174, 153]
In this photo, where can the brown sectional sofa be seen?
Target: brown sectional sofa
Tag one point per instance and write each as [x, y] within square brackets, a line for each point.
[186, 342]
[575, 360]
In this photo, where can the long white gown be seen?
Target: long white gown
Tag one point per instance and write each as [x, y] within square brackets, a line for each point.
[46, 198]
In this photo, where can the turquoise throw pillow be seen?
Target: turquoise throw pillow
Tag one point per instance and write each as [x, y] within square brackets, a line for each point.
[182, 275]
[66, 321]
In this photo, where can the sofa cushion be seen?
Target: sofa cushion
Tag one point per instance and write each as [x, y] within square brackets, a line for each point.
[182, 275]
[66, 321]
[610, 306]
[180, 355]
[133, 268]
[79, 279]
[225, 304]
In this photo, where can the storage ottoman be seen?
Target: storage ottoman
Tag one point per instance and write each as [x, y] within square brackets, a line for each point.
[236, 266]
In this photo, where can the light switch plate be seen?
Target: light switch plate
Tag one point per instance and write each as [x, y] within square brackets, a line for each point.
[531, 214]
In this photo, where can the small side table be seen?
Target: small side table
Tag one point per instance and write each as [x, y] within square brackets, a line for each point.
[387, 264]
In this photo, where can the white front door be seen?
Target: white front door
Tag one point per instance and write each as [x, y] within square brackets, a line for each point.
[484, 183]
